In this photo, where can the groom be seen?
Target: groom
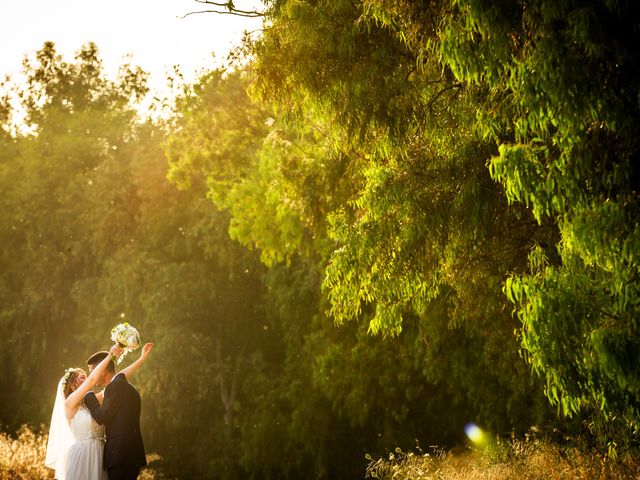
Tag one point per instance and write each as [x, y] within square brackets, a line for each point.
[120, 414]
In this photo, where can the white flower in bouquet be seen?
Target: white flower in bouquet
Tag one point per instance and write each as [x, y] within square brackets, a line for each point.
[126, 337]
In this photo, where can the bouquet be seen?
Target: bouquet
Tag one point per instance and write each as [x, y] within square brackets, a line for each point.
[126, 337]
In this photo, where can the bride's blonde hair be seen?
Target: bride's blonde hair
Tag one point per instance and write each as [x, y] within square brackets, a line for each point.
[71, 378]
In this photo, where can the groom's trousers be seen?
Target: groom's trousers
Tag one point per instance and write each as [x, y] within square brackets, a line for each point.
[123, 472]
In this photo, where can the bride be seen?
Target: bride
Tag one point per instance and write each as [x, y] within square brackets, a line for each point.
[76, 442]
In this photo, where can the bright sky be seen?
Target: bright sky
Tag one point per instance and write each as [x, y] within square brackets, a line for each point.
[150, 31]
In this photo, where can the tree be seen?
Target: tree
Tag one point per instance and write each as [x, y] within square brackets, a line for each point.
[568, 145]
[227, 8]
[419, 231]
[76, 120]
[369, 170]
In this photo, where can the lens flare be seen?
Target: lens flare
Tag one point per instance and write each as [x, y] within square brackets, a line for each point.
[475, 433]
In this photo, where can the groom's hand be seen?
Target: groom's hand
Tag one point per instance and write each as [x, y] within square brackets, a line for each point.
[146, 349]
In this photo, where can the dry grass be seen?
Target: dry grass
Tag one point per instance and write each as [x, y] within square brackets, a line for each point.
[522, 460]
[22, 457]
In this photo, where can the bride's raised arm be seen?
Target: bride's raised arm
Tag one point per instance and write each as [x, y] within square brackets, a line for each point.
[76, 397]
[133, 368]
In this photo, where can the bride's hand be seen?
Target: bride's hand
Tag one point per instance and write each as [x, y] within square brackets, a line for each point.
[115, 351]
[146, 349]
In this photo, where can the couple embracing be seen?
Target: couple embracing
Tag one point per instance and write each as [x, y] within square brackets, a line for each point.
[81, 419]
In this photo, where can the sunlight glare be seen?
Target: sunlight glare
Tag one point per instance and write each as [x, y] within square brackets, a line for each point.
[475, 433]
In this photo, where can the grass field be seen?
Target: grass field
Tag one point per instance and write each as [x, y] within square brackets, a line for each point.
[22, 456]
[527, 459]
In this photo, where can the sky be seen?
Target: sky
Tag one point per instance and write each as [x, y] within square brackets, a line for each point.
[150, 32]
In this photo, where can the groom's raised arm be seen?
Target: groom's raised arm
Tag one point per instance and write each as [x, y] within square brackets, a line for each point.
[105, 412]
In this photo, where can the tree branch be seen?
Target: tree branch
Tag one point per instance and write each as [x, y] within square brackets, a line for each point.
[227, 9]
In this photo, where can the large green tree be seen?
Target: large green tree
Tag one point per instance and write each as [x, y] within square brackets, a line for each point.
[567, 131]
[373, 171]
[561, 106]
[74, 120]
[94, 233]
[334, 393]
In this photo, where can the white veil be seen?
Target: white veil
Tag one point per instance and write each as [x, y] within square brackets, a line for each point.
[60, 437]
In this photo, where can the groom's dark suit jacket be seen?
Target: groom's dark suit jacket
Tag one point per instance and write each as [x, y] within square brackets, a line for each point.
[120, 415]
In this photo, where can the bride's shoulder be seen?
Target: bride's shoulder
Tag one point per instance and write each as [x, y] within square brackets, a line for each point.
[73, 412]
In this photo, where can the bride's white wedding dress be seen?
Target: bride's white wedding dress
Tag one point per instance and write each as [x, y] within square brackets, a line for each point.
[84, 457]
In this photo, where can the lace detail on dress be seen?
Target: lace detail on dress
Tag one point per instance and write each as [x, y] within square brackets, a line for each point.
[84, 457]
[84, 427]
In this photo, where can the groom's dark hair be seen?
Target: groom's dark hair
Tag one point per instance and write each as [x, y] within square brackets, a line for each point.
[97, 357]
